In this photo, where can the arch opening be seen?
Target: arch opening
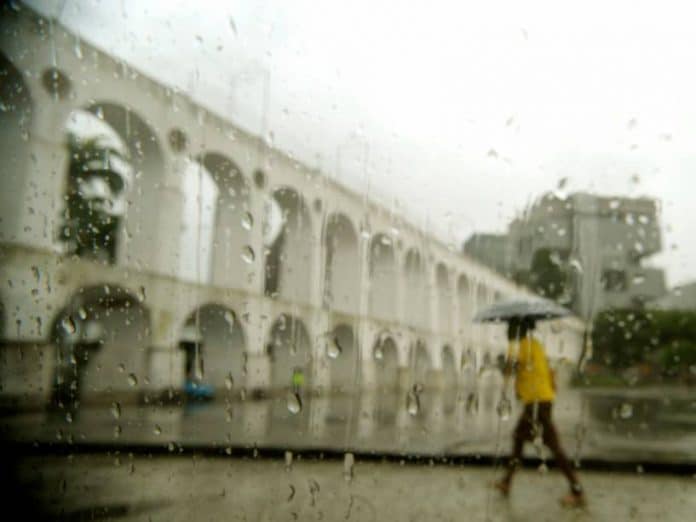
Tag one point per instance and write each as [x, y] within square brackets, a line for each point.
[101, 337]
[232, 221]
[288, 246]
[382, 272]
[111, 149]
[214, 345]
[444, 299]
[415, 290]
[342, 267]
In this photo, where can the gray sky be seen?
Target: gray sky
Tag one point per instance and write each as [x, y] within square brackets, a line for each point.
[457, 112]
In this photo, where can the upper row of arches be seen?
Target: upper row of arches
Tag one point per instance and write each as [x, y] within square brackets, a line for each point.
[117, 182]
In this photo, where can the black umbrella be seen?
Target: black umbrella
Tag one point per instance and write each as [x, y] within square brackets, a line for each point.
[535, 308]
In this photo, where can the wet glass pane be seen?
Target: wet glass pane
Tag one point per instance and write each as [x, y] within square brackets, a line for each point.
[322, 261]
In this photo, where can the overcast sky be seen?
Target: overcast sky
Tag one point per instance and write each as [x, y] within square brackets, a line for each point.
[460, 113]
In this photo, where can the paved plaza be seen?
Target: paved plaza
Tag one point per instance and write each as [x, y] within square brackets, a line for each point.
[185, 488]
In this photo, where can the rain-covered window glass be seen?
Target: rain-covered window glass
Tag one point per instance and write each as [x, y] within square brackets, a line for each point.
[267, 260]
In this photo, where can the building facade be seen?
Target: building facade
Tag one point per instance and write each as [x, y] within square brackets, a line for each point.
[595, 245]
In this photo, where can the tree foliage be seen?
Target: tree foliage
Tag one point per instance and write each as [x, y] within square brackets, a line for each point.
[664, 338]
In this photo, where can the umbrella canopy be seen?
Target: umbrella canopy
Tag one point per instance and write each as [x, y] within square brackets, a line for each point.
[535, 309]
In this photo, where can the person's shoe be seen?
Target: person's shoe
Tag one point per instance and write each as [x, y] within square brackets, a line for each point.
[502, 486]
[573, 500]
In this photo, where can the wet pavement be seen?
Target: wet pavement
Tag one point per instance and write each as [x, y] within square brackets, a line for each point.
[593, 426]
[91, 487]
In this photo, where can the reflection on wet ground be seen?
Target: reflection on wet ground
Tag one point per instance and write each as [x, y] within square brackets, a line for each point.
[642, 425]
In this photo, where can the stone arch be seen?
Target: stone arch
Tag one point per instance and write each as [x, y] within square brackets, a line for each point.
[288, 242]
[134, 213]
[16, 125]
[444, 299]
[216, 352]
[415, 295]
[199, 195]
[342, 351]
[421, 363]
[449, 380]
[233, 220]
[466, 308]
[383, 280]
[386, 359]
[101, 336]
[342, 267]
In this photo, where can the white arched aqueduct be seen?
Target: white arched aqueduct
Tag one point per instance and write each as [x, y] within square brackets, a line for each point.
[282, 278]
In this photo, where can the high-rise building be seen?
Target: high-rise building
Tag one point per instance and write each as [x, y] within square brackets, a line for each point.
[583, 250]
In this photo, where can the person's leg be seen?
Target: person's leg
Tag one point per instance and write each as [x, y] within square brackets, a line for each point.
[550, 437]
[522, 433]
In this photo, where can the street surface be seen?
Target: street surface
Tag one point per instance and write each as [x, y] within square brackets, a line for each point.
[187, 488]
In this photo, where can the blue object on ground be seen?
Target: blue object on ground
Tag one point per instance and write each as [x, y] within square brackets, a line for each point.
[198, 390]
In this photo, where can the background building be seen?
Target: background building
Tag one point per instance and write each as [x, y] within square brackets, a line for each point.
[583, 250]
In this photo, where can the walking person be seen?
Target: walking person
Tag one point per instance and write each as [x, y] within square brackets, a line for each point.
[535, 387]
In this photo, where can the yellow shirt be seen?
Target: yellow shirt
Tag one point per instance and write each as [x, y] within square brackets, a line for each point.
[533, 382]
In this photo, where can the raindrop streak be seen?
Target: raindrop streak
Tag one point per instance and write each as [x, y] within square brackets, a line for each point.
[412, 403]
[348, 463]
[248, 255]
[333, 350]
[229, 381]
[288, 460]
[233, 26]
[294, 403]
[247, 221]
[116, 410]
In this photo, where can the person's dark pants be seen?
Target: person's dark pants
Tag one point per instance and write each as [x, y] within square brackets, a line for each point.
[526, 430]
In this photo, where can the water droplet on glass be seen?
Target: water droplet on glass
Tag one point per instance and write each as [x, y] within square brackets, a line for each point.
[504, 408]
[157, 430]
[294, 403]
[543, 468]
[247, 255]
[115, 410]
[68, 324]
[132, 379]
[247, 221]
[638, 279]
[333, 350]
[82, 313]
[288, 460]
[626, 411]
[412, 403]
[229, 381]
[141, 294]
[233, 26]
[69, 417]
[348, 464]
[379, 353]
[576, 265]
